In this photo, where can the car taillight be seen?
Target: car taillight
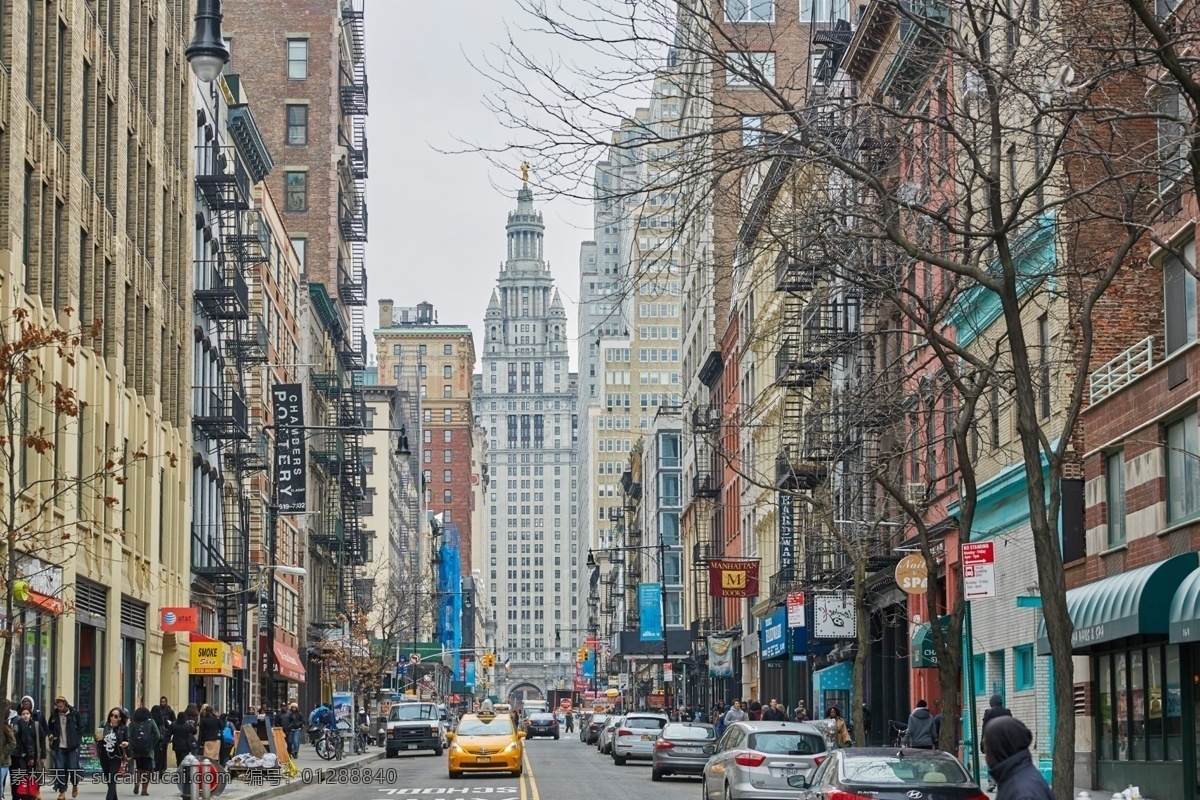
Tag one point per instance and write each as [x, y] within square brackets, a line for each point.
[840, 795]
[624, 732]
[663, 745]
[750, 759]
[817, 760]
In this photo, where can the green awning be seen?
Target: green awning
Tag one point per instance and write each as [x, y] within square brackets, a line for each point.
[1185, 610]
[923, 653]
[1132, 603]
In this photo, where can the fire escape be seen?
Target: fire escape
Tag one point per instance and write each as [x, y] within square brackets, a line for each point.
[706, 488]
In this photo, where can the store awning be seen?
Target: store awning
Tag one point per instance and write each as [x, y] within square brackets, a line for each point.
[288, 664]
[1132, 603]
[923, 653]
[1185, 610]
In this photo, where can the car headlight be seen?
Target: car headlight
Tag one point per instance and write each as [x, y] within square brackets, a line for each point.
[454, 748]
[512, 746]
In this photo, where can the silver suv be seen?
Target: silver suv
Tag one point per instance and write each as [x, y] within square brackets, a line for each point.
[635, 737]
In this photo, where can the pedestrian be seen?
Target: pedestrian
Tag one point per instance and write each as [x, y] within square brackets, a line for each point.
[183, 737]
[995, 709]
[801, 713]
[144, 736]
[866, 712]
[114, 745]
[30, 749]
[8, 743]
[735, 714]
[163, 715]
[66, 734]
[293, 726]
[1006, 748]
[210, 733]
[841, 732]
[774, 712]
[570, 722]
[920, 727]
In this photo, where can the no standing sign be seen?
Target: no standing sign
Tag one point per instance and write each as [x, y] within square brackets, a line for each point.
[979, 570]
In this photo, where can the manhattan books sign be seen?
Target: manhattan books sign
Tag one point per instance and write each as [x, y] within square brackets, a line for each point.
[291, 479]
[733, 577]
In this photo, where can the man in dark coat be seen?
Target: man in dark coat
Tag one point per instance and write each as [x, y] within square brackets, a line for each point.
[66, 734]
[995, 709]
[163, 715]
[1011, 764]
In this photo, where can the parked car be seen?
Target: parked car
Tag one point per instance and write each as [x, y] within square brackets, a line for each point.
[584, 721]
[595, 725]
[755, 759]
[604, 743]
[542, 724]
[683, 748]
[635, 737]
[885, 773]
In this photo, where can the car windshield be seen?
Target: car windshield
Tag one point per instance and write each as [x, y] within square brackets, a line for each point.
[909, 769]
[697, 732]
[645, 723]
[409, 711]
[600, 719]
[787, 743]
[541, 718]
[478, 726]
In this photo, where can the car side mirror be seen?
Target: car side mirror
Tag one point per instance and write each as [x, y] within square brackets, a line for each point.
[798, 781]
[449, 736]
[520, 734]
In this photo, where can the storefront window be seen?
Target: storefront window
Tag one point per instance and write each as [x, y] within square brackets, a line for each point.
[34, 657]
[1154, 706]
[1104, 736]
[89, 645]
[1173, 707]
[1137, 703]
[1121, 679]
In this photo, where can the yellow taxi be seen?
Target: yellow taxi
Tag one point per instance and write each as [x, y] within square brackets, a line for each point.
[485, 742]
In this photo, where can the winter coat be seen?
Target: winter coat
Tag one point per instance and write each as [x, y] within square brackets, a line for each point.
[183, 735]
[154, 735]
[995, 709]
[843, 733]
[74, 726]
[920, 728]
[30, 743]
[111, 738]
[8, 744]
[163, 717]
[733, 715]
[210, 729]
[1018, 778]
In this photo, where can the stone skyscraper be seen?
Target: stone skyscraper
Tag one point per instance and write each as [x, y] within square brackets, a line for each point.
[525, 400]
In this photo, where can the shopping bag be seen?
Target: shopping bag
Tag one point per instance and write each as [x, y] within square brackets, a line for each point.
[28, 786]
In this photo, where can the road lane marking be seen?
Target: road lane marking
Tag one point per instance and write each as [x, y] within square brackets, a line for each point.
[532, 782]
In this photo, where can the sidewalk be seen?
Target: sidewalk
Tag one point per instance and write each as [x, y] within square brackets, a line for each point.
[93, 787]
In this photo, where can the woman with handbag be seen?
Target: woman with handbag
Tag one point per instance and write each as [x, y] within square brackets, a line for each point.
[210, 733]
[114, 744]
[28, 754]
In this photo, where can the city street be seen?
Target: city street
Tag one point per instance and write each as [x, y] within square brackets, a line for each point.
[565, 769]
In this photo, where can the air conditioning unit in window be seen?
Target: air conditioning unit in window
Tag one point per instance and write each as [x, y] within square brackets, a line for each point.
[914, 493]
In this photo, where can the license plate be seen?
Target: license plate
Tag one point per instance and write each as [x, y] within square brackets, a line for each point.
[788, 772]
[484, 759]
[410, 747]
[689, 750]
[647, 737]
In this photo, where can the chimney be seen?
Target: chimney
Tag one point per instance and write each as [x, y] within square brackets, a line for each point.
[385, 313]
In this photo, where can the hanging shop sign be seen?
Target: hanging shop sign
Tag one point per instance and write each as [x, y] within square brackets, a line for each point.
[733, 577]
[787, 532]
[834, 617]
[179, 619]
[912, 574]
[650, 612]
[291, 480]
[774, 634]
[720, 657]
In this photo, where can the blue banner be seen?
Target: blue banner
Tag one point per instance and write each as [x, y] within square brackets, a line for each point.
[589, 667]
[774, 633]
[471, 672]
[650, 611]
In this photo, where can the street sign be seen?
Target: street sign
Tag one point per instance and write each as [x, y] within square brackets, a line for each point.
[668, 671]
[415, 658]
[835, 617]
[979, 570]
[795, 610]
[565, 703]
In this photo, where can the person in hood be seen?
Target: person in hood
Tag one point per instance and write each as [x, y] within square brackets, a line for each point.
[34, 712]
[920, 727]
[1006, 747]
[995, 709]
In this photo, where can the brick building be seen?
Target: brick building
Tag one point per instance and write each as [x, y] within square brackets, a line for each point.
[443, 357]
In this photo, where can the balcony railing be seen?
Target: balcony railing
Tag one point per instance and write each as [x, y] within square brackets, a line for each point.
[795, 274]
[1122, 370]
[794, 367]
[221, 290]
[222, 177]
[219, 412]
[352, 215]
[705, 485]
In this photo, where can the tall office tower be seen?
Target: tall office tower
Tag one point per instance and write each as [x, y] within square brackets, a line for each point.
[307, 73]
[526, 401]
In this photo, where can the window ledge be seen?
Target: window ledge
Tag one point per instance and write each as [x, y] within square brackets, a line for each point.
[1120, 548]
[1183, 523]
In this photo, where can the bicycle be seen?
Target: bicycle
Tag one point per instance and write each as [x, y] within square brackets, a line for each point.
[901, 731]
[331, 745]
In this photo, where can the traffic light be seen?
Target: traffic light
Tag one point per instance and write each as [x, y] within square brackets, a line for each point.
[489, 660]
[581, 655]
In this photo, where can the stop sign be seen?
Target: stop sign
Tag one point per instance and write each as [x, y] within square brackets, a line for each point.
[565, 703]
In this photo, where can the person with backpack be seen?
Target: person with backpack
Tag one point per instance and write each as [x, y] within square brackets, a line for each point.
[227, 740]
[144, 736]
[66, 735]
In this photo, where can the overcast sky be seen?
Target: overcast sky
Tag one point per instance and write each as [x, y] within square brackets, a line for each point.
[437, 221]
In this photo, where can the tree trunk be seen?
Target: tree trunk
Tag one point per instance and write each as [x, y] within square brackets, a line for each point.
[863, 635]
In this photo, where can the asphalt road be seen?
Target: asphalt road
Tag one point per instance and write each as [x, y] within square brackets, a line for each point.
[565, 769]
